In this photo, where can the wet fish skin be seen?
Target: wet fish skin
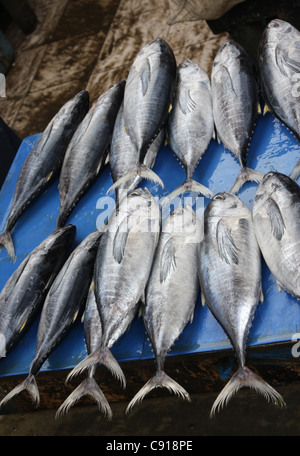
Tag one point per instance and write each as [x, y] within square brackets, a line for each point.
[25, 291]
[147, 98]
[235, 104]
[190, 125]
[171, 294]
[88, 149]
[230, 282]
[123, 155]
[60, 310]
[44, 161]
[88, 387]
[276, 212]
[279, 68]
[124, 259]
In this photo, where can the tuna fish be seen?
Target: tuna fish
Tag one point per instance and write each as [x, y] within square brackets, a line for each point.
[26, 289]
[60, 309]
[169, 307]
[123, 155]
[88, 149]
[279, 68]
[44, 162]
[279, 74]
[235, 105]
[276, 216]
[147, 98]
[190, 125]
[230, 282]
[88, 387]
[124, 259]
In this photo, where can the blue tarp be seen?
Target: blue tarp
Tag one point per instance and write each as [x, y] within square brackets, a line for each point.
[273, 148]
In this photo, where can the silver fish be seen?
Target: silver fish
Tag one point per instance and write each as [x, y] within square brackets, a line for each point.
[60, 310]
[168, 308]
[190, 125]
[26, 289]
[88, 149]
[123, 155]
[88, 387]
[147, 98]
[276, 216]
[124, 259]
[44, 162]
[230, 282]
[279, 69]
[235, 105]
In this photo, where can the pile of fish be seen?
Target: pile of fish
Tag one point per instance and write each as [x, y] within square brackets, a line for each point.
[137, 262]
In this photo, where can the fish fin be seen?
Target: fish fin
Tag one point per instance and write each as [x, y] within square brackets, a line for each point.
[266, 109]
[275, 217]
[49, 176]
[226, 246]
[90, 388]
[104, 356]
[246, 175]
[288, 65]
[188, 186]
[7, 242]
[120, 239]
[261, 295]
[106, 160]
[202, 299]
[244, 377]
[28, 384]
[186, 102]
[259, 110]
[168, 259]
[296, 171]
[145, 75]
[160, 380]
[278, 286]
[140, 170]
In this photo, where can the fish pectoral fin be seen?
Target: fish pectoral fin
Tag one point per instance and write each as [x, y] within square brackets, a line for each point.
[186, 102]
[275, 218]
[228, 251]
[168, 259]
[145, 75]
[120, 239]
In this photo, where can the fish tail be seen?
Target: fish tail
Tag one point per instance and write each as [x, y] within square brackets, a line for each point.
[90, 388]
[140, 170]
[296, 171]
[189, 186]
[7, 242]
[160, 380]
[28, 384]
[246, 175]
[104, 356]
[61, 219]
[244, 377]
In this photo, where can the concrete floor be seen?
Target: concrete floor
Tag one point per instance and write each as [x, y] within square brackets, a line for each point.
[90, 44]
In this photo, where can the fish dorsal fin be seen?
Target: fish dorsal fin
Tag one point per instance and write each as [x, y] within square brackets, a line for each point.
[168, 259]
[288, 60]
[228, 251]
[186, 101]
[145, 75]
[276, 219]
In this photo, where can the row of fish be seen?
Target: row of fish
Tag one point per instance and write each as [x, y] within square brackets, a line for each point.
[133, 263]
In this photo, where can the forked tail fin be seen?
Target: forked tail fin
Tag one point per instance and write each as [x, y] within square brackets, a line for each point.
[160, 380]
[140, 170]
[7, 242]
[28, 384]
[188, 186]
[90, 388]
[244, 377]
[100, 355]
[246, 175]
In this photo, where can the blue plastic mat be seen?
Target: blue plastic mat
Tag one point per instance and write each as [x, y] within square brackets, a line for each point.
[273, 148]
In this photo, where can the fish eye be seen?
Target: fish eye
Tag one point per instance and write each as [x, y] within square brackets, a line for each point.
[219, 196]
[273, 24]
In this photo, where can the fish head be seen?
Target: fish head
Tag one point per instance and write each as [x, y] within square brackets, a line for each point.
[274, 185]
[278, 30]
[226, 204]
[142, 207]
[184, 222]
[190, 73]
